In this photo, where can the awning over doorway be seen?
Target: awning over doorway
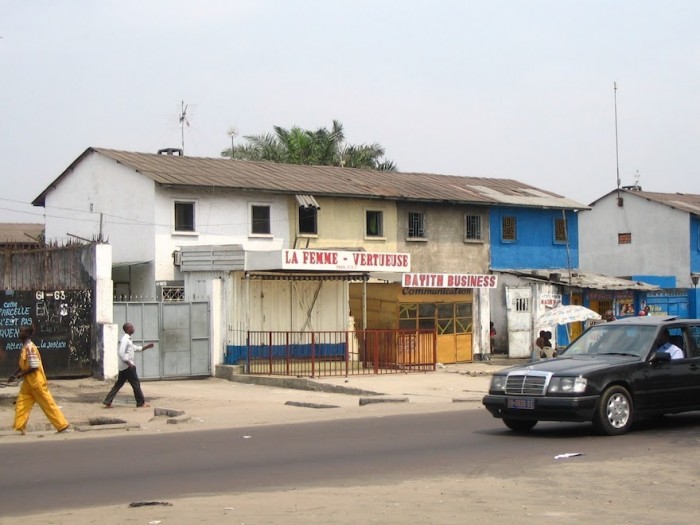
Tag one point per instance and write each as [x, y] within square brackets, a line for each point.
[307, 201]
[580, 279]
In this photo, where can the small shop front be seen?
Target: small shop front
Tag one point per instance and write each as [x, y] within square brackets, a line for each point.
[444, 303]
[621, 302]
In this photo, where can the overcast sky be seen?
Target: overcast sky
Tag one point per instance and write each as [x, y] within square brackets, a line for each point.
[490, 88]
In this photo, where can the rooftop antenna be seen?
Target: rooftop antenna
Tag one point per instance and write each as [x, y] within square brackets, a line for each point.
[617, 151]
[183, 122]
[232, 132]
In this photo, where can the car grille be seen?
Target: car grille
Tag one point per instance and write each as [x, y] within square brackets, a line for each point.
[527, 383]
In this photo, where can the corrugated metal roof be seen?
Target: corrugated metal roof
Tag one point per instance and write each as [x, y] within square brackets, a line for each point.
[173, 170]
[20, 232]
[579, 279]
[687, 202]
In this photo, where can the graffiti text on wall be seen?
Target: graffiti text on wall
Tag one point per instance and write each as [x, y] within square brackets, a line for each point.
[61, 319]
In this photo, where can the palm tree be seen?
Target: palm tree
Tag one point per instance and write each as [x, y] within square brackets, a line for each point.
[322, 147]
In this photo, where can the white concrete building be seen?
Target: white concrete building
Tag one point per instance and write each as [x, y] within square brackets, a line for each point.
[646, 236]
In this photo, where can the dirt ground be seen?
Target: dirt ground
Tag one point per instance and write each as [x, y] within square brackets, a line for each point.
[573, 491]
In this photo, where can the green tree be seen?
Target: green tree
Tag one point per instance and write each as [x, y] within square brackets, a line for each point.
[322, 147]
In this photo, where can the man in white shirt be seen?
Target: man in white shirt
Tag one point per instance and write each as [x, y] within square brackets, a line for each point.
[668, 347]
[127, 368]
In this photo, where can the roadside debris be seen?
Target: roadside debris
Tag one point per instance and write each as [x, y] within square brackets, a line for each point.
[568, 455]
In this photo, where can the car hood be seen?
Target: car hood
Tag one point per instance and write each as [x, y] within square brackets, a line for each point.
[574, 365]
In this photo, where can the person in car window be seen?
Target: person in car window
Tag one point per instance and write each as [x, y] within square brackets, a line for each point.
[667, 346]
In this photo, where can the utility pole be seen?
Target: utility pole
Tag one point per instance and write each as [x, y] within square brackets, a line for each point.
[617, 155]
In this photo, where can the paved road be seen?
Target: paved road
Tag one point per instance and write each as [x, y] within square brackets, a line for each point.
[55, 474]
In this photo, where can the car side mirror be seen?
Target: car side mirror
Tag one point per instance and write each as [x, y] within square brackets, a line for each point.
[660, 356]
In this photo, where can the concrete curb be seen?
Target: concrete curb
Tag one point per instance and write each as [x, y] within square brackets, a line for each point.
[117, 426]
[309, 405]
[382, 399]
[230, 373]
[179, 419]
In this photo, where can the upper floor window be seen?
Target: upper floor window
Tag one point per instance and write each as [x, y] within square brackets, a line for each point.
[560, 231]
[260, 219]
[374, 226]
[509, 229]
[472, 228]
[416, 225]
[624, 238]
[308, 220]
[184, 216]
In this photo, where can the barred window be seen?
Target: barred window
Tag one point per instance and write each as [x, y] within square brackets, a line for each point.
[416, 225]
[560, 231]
[472, 228]
[522, 304]
[508, 229]
[446, 318]
[173, 293]
[624, 238]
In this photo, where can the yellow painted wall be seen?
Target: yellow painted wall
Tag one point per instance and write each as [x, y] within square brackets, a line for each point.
[341, 225]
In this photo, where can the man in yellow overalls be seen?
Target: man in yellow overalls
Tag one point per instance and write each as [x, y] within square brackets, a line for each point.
[34, 388]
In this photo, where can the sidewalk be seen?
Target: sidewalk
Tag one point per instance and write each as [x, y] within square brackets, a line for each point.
[212, 403]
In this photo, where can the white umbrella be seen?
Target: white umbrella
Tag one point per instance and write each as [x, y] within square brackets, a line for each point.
[565, 314]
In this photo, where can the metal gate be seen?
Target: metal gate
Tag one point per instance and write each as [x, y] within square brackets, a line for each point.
[180, 332]
[519, 312]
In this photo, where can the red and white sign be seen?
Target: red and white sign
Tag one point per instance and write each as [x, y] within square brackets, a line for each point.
[550, 299]
[341, 261]
[448, 280]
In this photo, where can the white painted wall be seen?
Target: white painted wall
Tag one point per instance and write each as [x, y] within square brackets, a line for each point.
[660, 239]
[136, 217]
[101, 186]
[221, 217]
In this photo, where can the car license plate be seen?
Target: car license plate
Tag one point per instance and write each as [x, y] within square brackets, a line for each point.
[526, 403]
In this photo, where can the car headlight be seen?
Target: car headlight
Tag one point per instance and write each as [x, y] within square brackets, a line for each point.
[498, 383]
[567, 385]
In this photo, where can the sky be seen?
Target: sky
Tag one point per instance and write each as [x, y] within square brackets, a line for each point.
[507, 89]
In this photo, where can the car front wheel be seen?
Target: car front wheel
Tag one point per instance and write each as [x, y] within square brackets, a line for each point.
[520, 425]
[613, 415]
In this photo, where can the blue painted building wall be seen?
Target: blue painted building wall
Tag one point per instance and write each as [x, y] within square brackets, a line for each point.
[535, 246]
[694, 244]
[663, 281]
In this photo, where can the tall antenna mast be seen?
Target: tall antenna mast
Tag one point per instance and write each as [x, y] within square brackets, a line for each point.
[617, 153]
[183, 122]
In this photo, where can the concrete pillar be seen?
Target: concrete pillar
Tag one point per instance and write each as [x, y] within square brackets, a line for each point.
[481, 342]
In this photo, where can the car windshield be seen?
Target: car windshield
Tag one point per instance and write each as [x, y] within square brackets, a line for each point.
[613, 339]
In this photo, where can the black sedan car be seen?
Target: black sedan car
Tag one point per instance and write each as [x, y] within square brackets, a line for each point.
[613, 374]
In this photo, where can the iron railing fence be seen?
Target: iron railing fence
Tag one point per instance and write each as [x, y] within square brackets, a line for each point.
[336, 353]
